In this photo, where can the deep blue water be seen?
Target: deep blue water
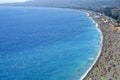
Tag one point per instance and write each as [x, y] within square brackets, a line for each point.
[46, 44]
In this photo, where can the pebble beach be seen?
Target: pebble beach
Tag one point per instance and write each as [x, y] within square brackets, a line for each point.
[107, 66]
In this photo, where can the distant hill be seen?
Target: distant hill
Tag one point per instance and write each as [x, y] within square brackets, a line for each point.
[107, 7]
[69, 3]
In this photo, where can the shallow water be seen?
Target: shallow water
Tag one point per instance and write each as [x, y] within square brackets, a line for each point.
[46, 44]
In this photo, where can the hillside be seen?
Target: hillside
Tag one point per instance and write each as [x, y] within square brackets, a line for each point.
[69, 3]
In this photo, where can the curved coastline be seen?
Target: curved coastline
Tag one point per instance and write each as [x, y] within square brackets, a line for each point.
[101, 46]
[98, 40]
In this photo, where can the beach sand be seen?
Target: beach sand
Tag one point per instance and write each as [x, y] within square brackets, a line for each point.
[107, 65]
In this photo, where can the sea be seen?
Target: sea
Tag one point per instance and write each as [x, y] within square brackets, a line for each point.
[46, 43]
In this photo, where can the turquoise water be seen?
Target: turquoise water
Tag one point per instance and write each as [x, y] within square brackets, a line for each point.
[46, 44]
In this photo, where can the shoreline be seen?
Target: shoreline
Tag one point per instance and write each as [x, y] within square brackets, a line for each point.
[101, 52]
[107, 63]
[101, 46]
